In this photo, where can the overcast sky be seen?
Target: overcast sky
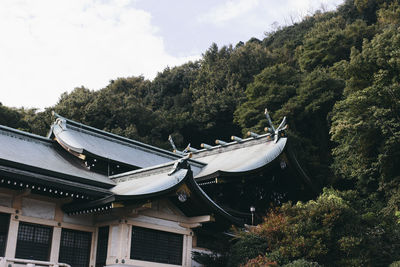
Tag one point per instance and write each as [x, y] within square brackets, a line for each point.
[48, 47]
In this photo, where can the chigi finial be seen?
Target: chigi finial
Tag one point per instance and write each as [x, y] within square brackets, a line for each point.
[275, 131]
[187, 150]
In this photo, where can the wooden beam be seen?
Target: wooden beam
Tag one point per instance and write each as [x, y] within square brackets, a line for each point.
[201, 219]
[177, 218]
[190, 225]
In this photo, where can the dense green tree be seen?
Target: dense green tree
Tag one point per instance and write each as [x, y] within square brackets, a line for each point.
[220, 84]
[337, 229]
[331, 41]
[73, 105]
[272, 88]
[12, 118]
[366, 124]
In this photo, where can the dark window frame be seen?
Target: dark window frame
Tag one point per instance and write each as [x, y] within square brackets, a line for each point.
[75, 247]
[102, 245]
[34, 241]
[4, 230]
[156, 246]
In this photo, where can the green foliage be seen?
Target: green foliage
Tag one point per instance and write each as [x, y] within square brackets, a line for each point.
[212, 259]
[220, 84]
[73, 105]
[12, 118]
[389, 15]
[271, 88]
[247, 246]
[330, 41]
[337, 229]
[366, 124]
[302, 263]
[260, 261]
[218, 254]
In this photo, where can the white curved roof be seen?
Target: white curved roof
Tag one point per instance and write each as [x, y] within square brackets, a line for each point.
[240, 157]
[231, 158]
[149, 185]
[39, 152]
[83, 140]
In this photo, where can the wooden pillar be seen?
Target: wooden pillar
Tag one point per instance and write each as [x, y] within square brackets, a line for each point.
[187, 251]
[12, 237]
[55, 244]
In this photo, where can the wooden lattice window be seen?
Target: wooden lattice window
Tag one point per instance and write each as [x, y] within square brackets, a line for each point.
[33, 241]
[4, 224]
[156, 246]
[102, 245]
[75, 247]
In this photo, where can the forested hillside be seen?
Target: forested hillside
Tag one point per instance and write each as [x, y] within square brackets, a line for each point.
[335, 75]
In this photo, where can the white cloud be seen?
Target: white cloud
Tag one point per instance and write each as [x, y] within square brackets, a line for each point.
[228, 11]
[48, 47]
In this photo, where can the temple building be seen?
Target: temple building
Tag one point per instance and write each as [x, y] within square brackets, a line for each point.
[84, 197]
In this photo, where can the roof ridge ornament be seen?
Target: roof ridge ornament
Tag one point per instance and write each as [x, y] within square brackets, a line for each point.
[237, 139]
[252, 134]
[175, 150]
[220, 142]
[62, 123]
[181, 163]
[275, 131]
[206, 146]
[190, 149]
[187, 150]
[269, 120]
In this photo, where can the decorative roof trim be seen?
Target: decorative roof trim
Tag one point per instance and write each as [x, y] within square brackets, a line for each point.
[13, 132]
[60, 177]
[144, 172]
[232, 146]
[214, 206]
[174, 173]
[32, 178]
[101, 133]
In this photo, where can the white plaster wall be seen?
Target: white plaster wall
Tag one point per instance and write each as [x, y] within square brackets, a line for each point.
[38, 209]
[114, 241]
[79, 219]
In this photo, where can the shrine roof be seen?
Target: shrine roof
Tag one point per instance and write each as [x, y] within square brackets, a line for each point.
[40, 155]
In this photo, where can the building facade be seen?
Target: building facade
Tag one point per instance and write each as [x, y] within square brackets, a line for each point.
[84, 197]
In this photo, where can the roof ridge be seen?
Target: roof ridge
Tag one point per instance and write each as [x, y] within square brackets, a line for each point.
[231, 146]
[115, 136]
[24, 133]
[144, 172]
